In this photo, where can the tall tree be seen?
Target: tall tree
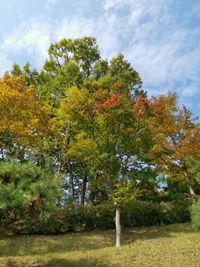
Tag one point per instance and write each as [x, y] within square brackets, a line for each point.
[108, 137]
[77, 63]
[110, 140]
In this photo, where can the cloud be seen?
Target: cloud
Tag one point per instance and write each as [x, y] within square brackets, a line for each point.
[148, 32]
[32, 37]
[161, 49]
[50, 3]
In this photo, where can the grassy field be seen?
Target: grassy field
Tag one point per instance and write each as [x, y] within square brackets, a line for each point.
[173, 245]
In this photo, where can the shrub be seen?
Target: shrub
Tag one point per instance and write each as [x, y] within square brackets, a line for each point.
[140, 213]
[143, 213]
[137, 213]
[80, 218]
[195, 215]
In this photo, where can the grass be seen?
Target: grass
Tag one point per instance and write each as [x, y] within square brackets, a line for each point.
[173, 245]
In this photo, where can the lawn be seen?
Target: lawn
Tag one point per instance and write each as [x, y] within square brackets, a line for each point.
[172, 245]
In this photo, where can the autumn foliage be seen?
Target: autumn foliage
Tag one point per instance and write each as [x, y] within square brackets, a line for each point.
[88, 120]
[22, 114]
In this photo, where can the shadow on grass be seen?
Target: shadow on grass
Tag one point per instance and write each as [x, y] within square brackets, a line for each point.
[77, 263]
[74, 242]
[57, 263]
[40, 244]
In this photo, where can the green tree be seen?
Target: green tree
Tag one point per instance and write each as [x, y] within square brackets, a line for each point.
[27, 192]
[76, 63]
[110, 140]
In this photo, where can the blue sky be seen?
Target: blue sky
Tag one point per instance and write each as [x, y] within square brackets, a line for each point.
[161, 38]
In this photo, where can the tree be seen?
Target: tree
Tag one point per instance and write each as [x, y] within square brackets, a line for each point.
[124, 192]
[176, 138]
[23, 116]
[27, 193]
[31, 76]
[76, 63]
[110, 140]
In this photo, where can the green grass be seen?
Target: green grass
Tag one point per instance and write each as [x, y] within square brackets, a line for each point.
[173, 245]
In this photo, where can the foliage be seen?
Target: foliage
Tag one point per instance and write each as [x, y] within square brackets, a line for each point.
[77, 62]
[88, 119]
[176, 139]
[24, 120]
[103, 134]
[195, 215]
[27, 193]
[83, 218]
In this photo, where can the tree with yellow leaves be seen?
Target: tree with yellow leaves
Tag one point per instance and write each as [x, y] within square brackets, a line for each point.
[23, 117]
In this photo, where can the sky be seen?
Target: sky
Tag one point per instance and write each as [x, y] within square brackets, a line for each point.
[160, 38]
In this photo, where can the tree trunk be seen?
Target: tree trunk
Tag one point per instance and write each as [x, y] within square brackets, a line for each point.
[92, 197]
[83, 190]
[189, 184]
[71, 182]
[71, 179]
[191, 190]
[118, 226]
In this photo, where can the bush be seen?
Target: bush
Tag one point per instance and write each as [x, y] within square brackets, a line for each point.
[195, 215]
[175, 211]
[137, 213]
[140, 213]
[81, 218]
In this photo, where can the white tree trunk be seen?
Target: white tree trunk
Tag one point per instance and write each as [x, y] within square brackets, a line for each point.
[118, 226]
[191, 190]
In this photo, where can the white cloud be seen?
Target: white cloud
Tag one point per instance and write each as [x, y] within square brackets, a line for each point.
[160, 49]
[80, 26]
[146, 31]
[33, 37]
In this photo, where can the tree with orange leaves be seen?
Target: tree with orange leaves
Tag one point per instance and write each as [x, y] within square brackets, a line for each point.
[176, 137]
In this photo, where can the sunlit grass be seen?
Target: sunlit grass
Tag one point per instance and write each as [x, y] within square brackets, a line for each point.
[173, 245]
